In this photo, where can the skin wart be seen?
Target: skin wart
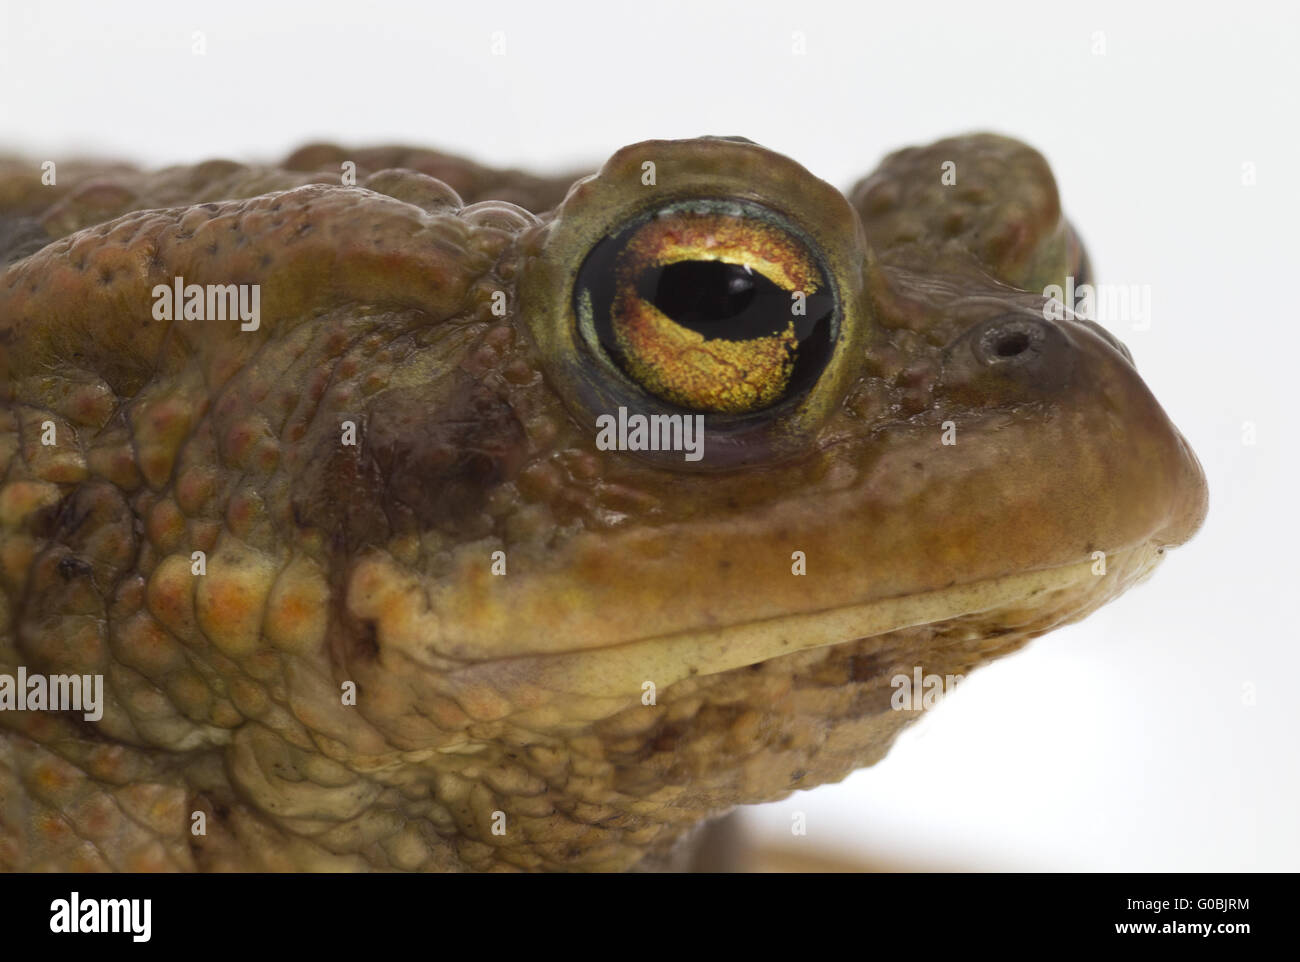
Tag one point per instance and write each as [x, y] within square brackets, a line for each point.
[499, 720]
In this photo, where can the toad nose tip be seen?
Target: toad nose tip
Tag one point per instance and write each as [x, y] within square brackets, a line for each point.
[1191, 501]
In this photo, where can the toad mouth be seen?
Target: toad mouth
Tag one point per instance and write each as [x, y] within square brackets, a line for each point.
[1033, 601]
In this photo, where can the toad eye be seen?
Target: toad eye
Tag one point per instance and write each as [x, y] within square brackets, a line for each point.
[713, 306]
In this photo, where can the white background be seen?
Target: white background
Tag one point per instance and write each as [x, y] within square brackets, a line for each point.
[1121, 743]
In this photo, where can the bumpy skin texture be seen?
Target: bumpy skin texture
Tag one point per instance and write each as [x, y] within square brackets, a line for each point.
[517, 700]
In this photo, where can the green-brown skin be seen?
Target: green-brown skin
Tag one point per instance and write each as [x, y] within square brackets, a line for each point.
[519, 694]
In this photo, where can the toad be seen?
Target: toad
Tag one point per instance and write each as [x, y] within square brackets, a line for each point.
[534, 521]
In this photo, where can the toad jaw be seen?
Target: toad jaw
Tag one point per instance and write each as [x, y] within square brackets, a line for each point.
[609, 676]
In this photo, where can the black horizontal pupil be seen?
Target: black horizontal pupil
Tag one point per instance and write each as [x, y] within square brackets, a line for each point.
[716, 299]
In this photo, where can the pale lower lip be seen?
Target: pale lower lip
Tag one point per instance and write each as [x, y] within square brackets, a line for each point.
[534, 682]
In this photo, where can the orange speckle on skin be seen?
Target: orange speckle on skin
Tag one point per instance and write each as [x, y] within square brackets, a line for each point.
[193, 489]
[170, 594]
[295, 619]
[166, 525]
[19, 499]
[231, 598]
[115, 463]
[51, 827]
[160, 428]
[144, 644]
[51, 778]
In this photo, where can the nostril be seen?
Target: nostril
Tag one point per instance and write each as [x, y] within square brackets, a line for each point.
[1011, 343]
[1008, 353]
[1010, 340]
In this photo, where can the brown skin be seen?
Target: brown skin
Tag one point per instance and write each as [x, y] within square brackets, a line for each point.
[371, 564]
